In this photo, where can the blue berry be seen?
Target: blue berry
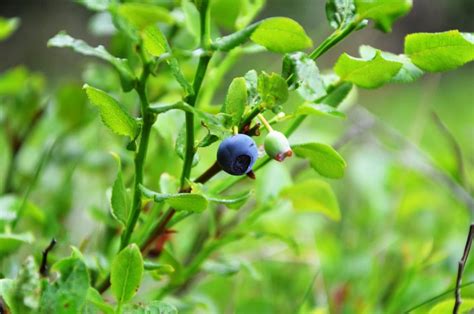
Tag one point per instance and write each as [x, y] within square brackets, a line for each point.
[237, 154]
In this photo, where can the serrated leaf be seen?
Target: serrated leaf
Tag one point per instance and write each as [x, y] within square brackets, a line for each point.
[383, 12]
[119, 200]
[157, 307]
[236, 100]
[179, 201]
[272, 90]
[340, 12]
[141, 15]
[436, 52]
[323, 158]
[370, 73]
[313, 196]
[127, 77]
[154, 41]
[114, 116]
[308, 80]
[9, 242]
[126, 273]
[447, 307]
[408, 72]
[68, 293]
[281, 34]
[319, 109]
[8, 27]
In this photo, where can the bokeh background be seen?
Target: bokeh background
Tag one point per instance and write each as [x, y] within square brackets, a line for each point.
[406, 200]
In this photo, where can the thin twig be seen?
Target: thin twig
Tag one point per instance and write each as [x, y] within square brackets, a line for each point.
[462, 263]
[43, 270]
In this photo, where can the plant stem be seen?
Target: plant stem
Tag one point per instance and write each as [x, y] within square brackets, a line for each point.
[148, 120]
[462, 263]
[265, 122]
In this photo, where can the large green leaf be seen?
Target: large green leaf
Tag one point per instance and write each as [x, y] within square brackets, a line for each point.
[340, 12]
[126, 273]
[435, 52]
[383, 12]
[114, 116]
[68, 293]
[118, 199]
[369, 73]
[444, 307]
[9, 242]
[313, 196]
[236, 100]
[141, 15]
[179, 201]
[127, 77]
[323, 158]
[281, 34]
[8, 27]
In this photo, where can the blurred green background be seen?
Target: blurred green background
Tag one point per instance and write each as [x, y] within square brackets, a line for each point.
[405, 205]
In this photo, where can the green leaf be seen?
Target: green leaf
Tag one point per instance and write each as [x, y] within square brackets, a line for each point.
[180, 146]
[447, 307]
[158, 267]
[154, 41]
[340, 12]
[370, 73]
[337, 95]
[9, 243]
[383, 12]
[179, 201]
[191, 20]
[119, 200]
[309, 83]
[313, 196]
[141, 15]
[8, 27]
[323, 158]
[231, 201]
[68, 293]
[249, 9]
[236, 100]
[126, 273]
[436, 52]
[408, 72]
[233, 40]
[94, 298]
[25, 292]
[127, 77]
[157, 307]
[168, 183]
[95, 5]
[281, 34]
[272, 89]
[319, 109]
[114, 116]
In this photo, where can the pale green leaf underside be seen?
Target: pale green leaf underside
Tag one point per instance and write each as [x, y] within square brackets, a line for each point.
[313, 196]
[323, 158]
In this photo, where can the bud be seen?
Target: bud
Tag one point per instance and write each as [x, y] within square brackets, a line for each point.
[277, 146]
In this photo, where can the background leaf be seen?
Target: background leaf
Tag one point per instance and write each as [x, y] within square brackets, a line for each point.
[141, 15]
[119, 200]
[383, 12]
[313, 196]
[8, 27]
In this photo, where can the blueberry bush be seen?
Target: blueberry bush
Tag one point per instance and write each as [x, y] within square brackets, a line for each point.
[200, 184]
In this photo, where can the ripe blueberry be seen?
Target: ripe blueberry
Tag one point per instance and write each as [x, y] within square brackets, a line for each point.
[237, 154]
[277, 146]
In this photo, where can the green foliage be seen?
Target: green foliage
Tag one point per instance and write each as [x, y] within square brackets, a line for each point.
[151, 307]
[272, 90]
[141, 15]
[383, 12]
[447, 306]
[8, 27]
[126, 274]
[313, 196]
[440, 51]
[323, 158]
[340, 13]
[11, 242]
[119, 200]
[236, 100]
[179, 201]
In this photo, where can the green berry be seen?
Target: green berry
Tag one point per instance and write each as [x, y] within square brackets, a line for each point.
[277, 146]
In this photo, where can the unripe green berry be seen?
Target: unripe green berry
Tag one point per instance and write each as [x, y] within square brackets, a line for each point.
[277, 146]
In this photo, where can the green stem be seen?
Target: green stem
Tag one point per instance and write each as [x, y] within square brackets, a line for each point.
[148, 120]
[333, 39]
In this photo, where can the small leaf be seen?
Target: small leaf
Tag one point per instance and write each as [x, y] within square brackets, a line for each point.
[236, 100]
[118, 200]
[367, 73]
[308, 80]
[112, 113]
[157, 307]
[231, 201]
[323, 158]
[383, 12]
[158, 267]
[436, 52]
[319, 109]
[179, 201]
[94, 297]
[154, 41]
[8, 27]
[272, 89]
[68, 293]
[281, 34]
[340, 12]
[141, 15]
[408, 72]
[9, 243]
[447, 307]
[191, 20]
[313, 196]
[126, 273]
